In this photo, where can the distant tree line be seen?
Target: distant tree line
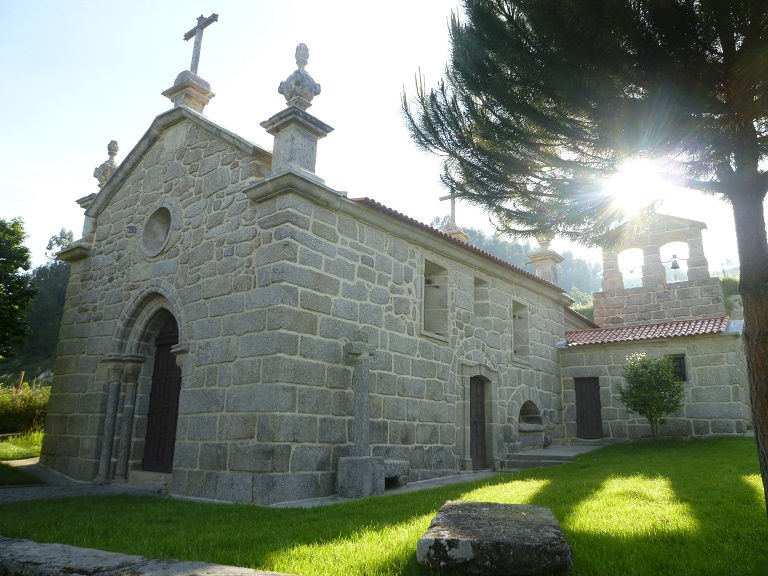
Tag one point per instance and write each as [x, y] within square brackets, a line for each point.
[36, 331]
[579, 277]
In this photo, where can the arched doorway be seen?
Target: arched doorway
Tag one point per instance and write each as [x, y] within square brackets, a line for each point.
[163, 402]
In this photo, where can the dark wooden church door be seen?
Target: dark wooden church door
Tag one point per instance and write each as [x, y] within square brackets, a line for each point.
[589, 421]
[163, 402]
[477, 422]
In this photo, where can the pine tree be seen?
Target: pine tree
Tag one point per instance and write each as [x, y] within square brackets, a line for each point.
[544, 99]
[16, 292]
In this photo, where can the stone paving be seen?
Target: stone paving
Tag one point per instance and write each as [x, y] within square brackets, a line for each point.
[57, 486]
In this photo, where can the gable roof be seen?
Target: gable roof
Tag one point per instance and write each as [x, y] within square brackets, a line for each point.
[647, 331]
[156, 129]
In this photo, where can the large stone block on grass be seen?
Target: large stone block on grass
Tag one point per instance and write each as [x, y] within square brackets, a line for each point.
[33, 559]
[489, 538]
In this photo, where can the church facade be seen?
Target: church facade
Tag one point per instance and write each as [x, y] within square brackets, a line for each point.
[239, 331]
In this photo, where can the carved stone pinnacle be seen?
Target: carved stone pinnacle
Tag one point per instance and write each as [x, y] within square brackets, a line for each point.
[299, 88]
[104, 172]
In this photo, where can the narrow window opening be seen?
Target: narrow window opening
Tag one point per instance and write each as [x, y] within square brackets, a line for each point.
[436, 301]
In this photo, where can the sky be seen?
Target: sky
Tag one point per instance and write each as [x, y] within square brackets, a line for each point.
[79, 74]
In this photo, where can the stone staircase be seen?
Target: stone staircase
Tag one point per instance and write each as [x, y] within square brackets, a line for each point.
[551, 456]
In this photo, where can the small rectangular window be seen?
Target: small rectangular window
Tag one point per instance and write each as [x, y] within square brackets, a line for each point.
[678, 361]
[521, 341]
[482, 297]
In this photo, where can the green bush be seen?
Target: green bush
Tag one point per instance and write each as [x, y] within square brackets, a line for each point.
[653, 388]
[23, 410]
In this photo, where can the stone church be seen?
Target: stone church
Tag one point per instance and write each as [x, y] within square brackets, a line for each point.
[236, 330]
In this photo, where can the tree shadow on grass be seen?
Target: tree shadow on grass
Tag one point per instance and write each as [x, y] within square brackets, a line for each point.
[682, 508]
[715, 521]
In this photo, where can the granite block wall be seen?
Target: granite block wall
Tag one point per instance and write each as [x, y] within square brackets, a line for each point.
[267, 285]
[716, 388]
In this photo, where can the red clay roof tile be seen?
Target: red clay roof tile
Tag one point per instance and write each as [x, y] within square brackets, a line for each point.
[647, 331]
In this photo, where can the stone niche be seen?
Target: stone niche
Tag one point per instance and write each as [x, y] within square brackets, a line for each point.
[532, 428]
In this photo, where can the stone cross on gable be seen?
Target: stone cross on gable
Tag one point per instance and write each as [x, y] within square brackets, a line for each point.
[197, 32]
[451, 228]
[452, 198]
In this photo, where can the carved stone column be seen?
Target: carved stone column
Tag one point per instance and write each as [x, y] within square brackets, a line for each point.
[360, 475]
[130, 385]
[114, 377]
[359, 352]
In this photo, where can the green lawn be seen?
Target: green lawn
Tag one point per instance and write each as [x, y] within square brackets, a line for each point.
[20, 447]
[693, 508]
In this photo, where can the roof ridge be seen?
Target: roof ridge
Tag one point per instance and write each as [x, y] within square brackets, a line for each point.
[412, 221]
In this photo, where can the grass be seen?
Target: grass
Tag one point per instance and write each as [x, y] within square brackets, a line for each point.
[20, 447]
[10, 476]
[694, 508]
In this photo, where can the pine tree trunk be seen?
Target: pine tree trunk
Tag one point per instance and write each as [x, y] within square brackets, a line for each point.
[753, 286]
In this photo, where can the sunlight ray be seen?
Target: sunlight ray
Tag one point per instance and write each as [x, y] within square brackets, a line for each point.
[755, 482]
[631, 506]
[521, 491]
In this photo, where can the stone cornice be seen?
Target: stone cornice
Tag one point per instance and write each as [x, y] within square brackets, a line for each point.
[401, 227]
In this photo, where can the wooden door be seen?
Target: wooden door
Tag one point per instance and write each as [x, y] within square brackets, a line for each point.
[477, 423]
[589, 422]
[163, 403]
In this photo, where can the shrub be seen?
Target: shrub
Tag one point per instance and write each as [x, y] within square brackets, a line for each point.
[653, 389]
[23, 410]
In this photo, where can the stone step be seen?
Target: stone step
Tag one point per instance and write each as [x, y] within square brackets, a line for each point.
[520, 463]
[537, 456]
[590, 442]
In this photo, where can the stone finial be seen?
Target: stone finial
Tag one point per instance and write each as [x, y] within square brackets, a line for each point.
[544, 241]
[104, 172]
[545, 261]
[299, 88]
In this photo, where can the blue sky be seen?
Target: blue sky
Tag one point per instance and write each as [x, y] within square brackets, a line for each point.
[79, 74]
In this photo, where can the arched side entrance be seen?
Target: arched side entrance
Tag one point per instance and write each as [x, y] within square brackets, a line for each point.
[163, 411]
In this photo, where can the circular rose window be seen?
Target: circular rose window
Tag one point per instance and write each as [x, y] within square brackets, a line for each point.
[156, 231]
